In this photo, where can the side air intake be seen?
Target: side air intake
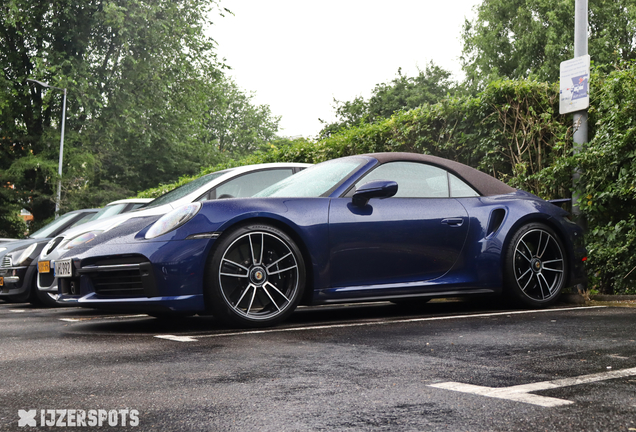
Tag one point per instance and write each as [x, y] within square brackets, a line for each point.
[496, 219]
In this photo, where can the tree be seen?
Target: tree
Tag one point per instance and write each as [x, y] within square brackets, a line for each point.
[402, 93]
[137, 73]
[11, 224]
[429, 86]
[234, 124]
[530, 38]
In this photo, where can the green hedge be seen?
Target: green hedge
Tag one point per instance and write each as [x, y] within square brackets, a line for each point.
[608, 182]
[512, 131]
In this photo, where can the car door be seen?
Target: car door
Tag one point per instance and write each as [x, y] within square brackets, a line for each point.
[415, 236]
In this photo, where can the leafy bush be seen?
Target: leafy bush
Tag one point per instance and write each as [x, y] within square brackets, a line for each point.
[608, 182]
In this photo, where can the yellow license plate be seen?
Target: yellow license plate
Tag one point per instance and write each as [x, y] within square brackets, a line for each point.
[44, 266]
[1, 281]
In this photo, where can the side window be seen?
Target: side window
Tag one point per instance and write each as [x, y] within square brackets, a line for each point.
[415, 180]
[87, 217]
[459, 189]
[248, 184]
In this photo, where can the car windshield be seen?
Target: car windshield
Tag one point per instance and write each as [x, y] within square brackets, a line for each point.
[315, 181]
[108, 211]
[46, 231]
[185, 189]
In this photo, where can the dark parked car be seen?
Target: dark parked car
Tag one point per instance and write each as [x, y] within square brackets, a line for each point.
[387, 226]
[18, 259]
[17, 266]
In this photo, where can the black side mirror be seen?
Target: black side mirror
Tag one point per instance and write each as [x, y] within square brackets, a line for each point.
[374, 189]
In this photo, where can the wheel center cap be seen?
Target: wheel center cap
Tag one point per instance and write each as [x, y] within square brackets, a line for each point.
[258, 276]
[536, 265]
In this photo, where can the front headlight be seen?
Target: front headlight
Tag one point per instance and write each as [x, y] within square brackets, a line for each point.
[173, 220]
[25, 254]
[80, 239]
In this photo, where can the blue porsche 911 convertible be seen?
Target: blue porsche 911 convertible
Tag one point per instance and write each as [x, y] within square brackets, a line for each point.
[387, 226]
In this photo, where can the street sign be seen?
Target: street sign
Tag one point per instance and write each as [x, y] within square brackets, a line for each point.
[575, 85]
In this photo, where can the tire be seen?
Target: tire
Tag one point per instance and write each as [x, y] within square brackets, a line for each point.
[26, 297]
[18, 299]
[255, 277]
[45, 298]
[536, 267]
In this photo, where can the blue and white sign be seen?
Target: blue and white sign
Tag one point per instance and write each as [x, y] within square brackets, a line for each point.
[574, 92]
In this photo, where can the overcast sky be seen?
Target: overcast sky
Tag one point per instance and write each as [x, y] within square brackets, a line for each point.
[299, 55]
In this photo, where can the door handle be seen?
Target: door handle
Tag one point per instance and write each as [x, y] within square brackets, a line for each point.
[453, 221]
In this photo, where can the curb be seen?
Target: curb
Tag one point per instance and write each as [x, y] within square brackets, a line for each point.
[575, 298]
[572, 298]
[610, 298]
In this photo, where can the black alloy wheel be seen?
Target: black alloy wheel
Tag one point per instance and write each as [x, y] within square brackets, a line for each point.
[536, 266]
[256, 276]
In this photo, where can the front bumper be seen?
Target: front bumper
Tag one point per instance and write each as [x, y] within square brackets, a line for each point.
[16, 280]
[192, 303]
[151, 276]
[11, 279]
[46, 282]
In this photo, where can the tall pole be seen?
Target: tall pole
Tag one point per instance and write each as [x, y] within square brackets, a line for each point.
[580, 117]
[58, 199]
[59, 168]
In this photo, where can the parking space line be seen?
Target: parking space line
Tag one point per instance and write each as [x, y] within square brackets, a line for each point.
[616, 356]
[177, 338]
[194, 338]
[521, 393]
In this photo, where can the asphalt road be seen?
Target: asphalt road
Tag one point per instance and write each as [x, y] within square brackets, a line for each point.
[448, 366]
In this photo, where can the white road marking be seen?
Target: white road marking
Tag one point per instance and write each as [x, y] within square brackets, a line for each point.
[109, 317]
[17, 310]
[176, 338]
[373, 323]
[521, 393]
[616, 356]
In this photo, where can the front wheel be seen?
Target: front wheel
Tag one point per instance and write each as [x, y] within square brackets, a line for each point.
[46, 298]
[255, 276]
[535, 266]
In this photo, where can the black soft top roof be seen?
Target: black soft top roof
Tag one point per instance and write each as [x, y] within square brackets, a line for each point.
[483, 183]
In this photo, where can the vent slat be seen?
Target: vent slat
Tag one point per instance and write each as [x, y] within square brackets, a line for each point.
[124, 283]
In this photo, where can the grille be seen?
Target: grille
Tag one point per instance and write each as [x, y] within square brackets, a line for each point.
[6, 261]
[120, 283]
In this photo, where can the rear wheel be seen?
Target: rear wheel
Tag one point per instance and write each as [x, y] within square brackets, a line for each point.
[255, 277]
[536, 266]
